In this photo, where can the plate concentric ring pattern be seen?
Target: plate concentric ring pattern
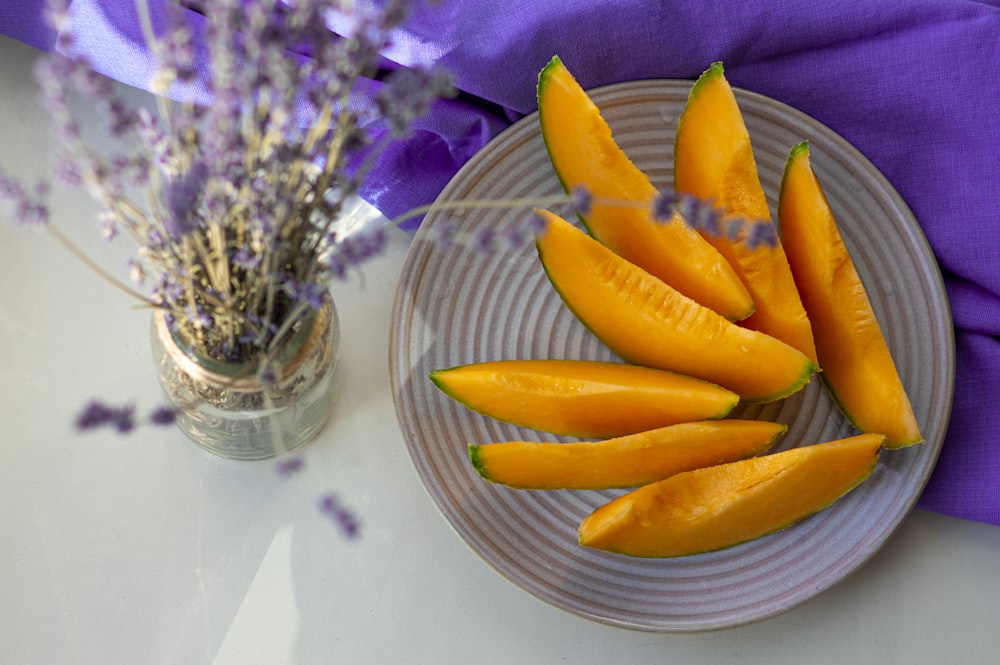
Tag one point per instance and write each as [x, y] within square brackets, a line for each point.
[456, 304]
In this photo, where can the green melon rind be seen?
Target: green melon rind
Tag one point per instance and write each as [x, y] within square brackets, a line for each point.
[714, 71]
[556, 64]
[477, 462]
[543, 78]
[809, 371]
[799, 150]
[437, 377]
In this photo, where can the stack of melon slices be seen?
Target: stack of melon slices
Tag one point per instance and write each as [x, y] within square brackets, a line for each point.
[703, 321]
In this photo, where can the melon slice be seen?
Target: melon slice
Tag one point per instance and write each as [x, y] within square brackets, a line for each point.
[858, 367]
[649, 323]
[584, 154]
[627, 461]
[713, 160]
[583, 398]
[721, 506]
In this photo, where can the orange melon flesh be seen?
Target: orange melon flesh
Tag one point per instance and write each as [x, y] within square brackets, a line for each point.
[716, 507]
[626, 461]
[713, 160]
[583, 398]
[649, 323]
[858, 367]
[584, 153]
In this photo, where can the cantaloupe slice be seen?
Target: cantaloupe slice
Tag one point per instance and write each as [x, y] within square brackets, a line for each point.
[584, 153]
[716, 507]
[583, 398]
[649, 323]
[627, 461]
[858, 367]
[713, 160]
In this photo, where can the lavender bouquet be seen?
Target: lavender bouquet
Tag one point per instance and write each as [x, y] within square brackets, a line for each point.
[246, 166]
[232, 186]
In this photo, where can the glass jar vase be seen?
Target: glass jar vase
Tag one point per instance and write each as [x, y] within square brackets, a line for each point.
[230, 410]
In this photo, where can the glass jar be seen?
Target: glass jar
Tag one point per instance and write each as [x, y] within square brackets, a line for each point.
[230, 410]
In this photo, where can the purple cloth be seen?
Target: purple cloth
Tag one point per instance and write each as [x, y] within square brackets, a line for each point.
[914, 84]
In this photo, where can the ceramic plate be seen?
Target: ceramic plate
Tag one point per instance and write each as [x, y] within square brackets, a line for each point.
[458, 305]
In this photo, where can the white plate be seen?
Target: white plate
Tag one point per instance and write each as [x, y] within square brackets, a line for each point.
[457, 305]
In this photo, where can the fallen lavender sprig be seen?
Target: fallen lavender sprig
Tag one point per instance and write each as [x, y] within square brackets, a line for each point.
[705, 217]
[233, 203]
[345, 518]
[290, 466]
[667, 207]
[121, 418]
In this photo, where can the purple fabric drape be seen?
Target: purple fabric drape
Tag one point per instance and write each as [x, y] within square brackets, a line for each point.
[913, 84]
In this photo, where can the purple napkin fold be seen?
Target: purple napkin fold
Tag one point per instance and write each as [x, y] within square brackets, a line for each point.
[913, 84]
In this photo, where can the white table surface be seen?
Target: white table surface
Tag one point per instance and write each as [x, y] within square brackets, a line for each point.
[145, 550]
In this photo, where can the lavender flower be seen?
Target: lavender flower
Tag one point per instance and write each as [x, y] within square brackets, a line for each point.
[708, 218]
[352, 251]
[583, 200]
[331, 506]
[268, 376]
[536, 223]
[483, 240]
[514, 235]
[245, 258]
[664, 206]
[687, 207]
[308, 293]
[762, 233]
[445, 234]
[290, 466]
[704, 216]
[29, 206]
[181, 198]
[97, 414]
[734, 229]
[68, 173]
[163, 415]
